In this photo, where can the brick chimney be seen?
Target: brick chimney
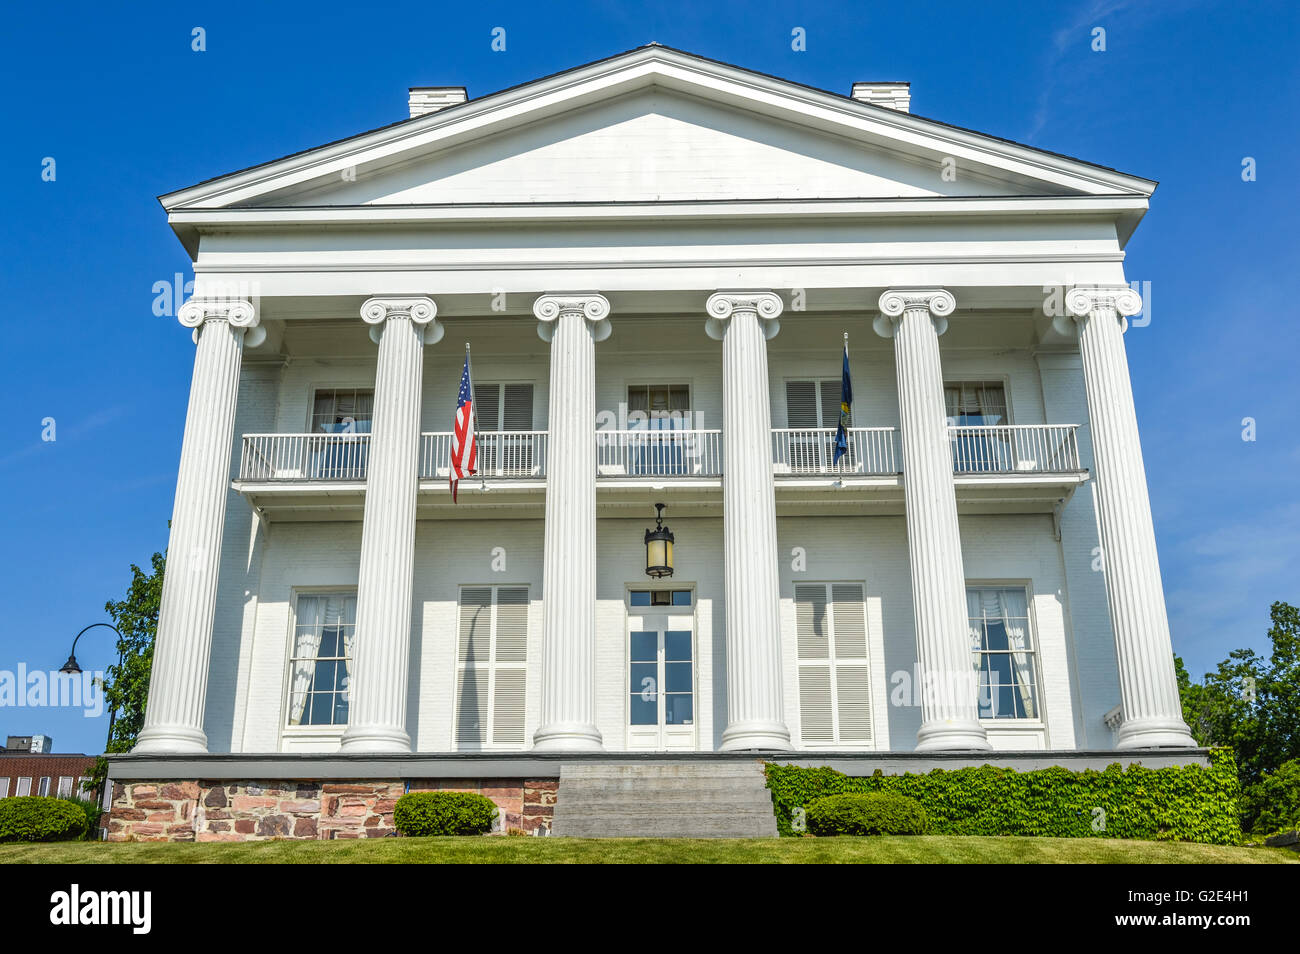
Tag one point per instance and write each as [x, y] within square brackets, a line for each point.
[429, 99]
[890, 95]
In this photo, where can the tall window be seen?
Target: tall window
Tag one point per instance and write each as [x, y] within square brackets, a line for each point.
[491, 666]
[24, 787]
[4, 788]
[834, 673]
[342, 411]
[65, 786]
[1002, 652]
[321, 661]
[44, 788]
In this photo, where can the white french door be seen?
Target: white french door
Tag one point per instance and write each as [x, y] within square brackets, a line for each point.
[661, 681]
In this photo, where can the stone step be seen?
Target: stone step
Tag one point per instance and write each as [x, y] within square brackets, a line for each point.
[697, 799]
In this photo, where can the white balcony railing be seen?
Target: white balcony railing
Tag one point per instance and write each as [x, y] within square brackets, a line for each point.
[654, 453]
[304, 457]
[1015, 449]
[1001, 449]
[870, 451]
[500, 454]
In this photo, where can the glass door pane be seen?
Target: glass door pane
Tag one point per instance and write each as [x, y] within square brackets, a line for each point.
[643, 678]
[678, 681]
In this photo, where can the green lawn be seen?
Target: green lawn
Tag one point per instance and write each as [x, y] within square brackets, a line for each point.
[924, 849]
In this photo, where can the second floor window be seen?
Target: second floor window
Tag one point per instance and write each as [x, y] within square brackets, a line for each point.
[342, 411]
[659, 406]
[975, 403]
[812, 405]
[503, 407]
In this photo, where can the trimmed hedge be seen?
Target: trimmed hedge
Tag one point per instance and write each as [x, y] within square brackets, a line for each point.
[872, 813]
[444, 813]
[37, 818]
[1184, 803]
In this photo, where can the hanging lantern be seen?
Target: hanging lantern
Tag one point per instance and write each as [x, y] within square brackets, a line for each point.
[659, 548]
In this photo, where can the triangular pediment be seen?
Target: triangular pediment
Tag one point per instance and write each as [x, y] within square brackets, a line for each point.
[653, 125]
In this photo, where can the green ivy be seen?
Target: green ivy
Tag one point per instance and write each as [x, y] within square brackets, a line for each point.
[1182, 803]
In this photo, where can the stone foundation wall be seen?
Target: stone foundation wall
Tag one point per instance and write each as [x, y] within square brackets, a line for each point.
[207, 810]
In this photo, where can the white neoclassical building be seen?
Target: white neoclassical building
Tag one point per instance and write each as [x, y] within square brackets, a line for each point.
[654, 261]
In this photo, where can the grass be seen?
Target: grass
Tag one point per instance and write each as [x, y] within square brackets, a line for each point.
[927, 849]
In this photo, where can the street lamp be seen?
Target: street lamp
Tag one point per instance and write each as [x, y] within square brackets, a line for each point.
[72, 668]
[659, 548]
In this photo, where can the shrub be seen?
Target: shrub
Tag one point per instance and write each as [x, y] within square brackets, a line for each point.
[36, 818]
[1273, 803]
[90, 806]
[1181, 803]
[444, 813]
[873, 813]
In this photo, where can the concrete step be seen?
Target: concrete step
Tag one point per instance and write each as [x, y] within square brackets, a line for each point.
[696, 799]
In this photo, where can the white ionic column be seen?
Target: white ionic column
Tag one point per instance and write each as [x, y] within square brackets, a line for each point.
[572, 324]
[178, 686]
[381, 646]
[949, 691]
[743, 321]
[1148, 686]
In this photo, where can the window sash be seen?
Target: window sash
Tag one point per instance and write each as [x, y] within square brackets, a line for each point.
[1007, 665]
[342, 410]
[324, 629]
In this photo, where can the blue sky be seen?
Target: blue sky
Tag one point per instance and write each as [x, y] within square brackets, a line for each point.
[1182, 93]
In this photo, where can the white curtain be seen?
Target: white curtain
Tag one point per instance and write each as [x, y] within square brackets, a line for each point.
[1014, 610]
[315, 615]
[975, 617]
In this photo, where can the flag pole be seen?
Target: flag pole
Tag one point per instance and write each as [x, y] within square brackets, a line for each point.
[473, 411]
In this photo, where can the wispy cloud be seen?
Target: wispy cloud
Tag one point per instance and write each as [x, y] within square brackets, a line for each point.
[1070, 40]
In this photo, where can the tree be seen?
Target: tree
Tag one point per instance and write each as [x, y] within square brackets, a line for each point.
[126, 686]
[1251, 703]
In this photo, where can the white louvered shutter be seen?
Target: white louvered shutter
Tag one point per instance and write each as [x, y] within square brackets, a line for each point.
[492, 674]
[830, 402]
[852, 674]
[813, 635]
[487, 406]
[509, 665]
[474, 657]
[834, 673]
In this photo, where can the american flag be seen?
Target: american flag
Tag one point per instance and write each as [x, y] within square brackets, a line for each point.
[464, 455]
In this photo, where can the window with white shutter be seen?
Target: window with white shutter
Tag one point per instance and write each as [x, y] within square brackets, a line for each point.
[834, 672]
[492, 666]
[812, 407]
[502, 410]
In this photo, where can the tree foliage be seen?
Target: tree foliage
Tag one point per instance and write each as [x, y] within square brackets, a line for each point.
[1251, 704]
[126, 685]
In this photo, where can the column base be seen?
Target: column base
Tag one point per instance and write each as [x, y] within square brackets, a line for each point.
[568, 737]
[952, 736]
[1154, 734]
[375, 738]
[756, 734]
[166, 739]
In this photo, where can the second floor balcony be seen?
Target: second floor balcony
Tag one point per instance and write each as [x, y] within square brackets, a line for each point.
[1024, 449]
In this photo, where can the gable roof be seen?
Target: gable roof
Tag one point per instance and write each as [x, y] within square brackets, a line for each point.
[654, 65]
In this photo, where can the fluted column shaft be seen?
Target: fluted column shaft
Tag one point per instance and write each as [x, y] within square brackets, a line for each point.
[1148, 685]
[179, 682]
[949, 688]
[755, 704]
[381, 646]
[572, 324]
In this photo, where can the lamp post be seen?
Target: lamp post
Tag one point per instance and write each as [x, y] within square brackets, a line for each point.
[72, 668]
